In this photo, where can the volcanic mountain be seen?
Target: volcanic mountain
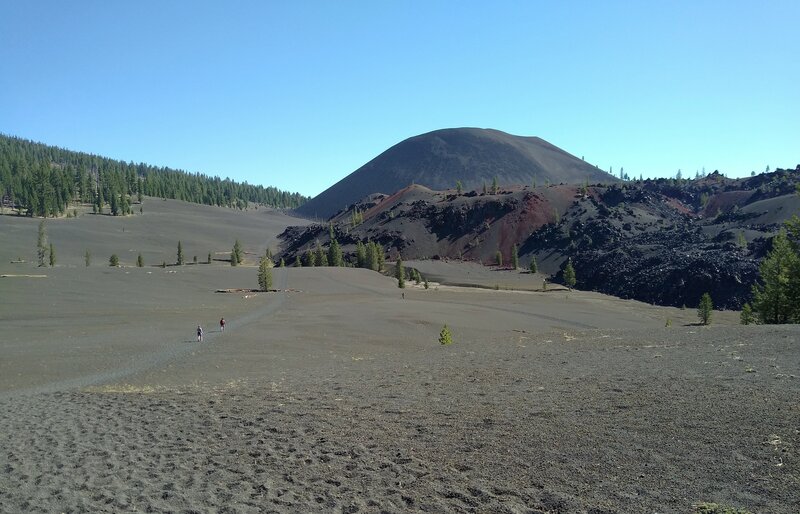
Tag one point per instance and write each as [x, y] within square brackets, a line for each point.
[664, 241]
[441, 158]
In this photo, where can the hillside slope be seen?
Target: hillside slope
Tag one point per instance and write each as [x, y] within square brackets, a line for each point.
[43, 180]
[440, 158]
[664, 241]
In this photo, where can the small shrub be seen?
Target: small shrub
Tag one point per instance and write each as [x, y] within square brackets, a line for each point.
[704, 309]
[746, 317]
[668, 323]
[445, 336]
[113, 260]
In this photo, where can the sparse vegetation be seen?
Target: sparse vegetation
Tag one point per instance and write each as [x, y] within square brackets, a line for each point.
[498, 258]
[445, 336]
[400, 273]
[569, 275]
[264, 274]
[237, 256]
[87, 258]
[533, 267]
[705, 308]
[180, 259]
[140, 261]
[52, 255]
[514, 257]
[41, 244]
[113, 260]
[335, 254]
[746, 317]
[356, 218]
[777, 298]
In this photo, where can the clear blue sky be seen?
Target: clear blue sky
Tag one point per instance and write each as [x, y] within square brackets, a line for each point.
[300, 94]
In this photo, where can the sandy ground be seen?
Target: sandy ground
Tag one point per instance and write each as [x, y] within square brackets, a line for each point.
[333, 395]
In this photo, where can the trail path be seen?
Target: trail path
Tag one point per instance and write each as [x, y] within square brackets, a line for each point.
[170, 351]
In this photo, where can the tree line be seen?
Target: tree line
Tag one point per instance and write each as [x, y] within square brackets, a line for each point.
[42, 180]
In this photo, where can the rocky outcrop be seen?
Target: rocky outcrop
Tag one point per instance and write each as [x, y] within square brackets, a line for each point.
[664, 241]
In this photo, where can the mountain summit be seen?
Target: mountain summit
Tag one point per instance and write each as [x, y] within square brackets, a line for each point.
[440, 158]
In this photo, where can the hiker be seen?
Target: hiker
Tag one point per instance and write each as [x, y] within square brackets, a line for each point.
[199, 334]
[222, 325]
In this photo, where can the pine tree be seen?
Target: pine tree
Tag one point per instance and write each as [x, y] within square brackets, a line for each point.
[361, 255]
[87, 258]
[264, 275]
[370, 257]
[777, 298]
[140, 261]
[320, 257]
[238, 253]
[310, 258]
[52, 255]
[569, 274]
[374, 256]
[514, 257]
[297, 262]
[445, 336]
[533, 267]
[335, 253]
[495, 187]
[113, 260]
[746, 317]
[209, 258]
[181, 259]
[380, 257]
[704, 309]
[41, 244]
[114, 204]
[498, 257]
[234, 259]
[459, 187]
[400, 273]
